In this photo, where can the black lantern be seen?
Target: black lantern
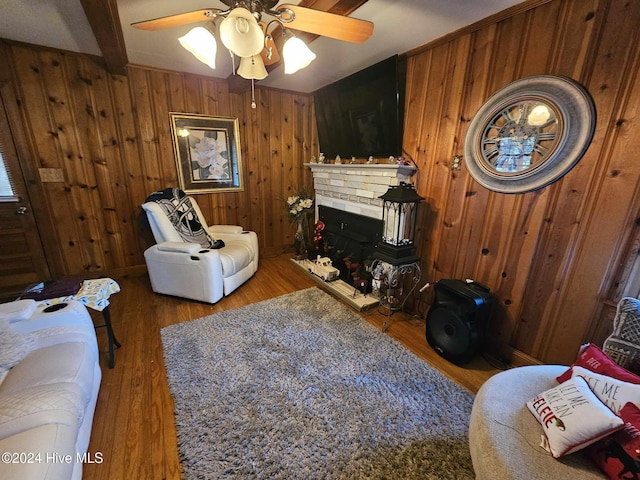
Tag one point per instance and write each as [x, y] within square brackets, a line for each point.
[399, 214]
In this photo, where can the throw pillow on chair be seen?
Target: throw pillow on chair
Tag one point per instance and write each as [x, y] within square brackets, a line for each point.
[623, 345]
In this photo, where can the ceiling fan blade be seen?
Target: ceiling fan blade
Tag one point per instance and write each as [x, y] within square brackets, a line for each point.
[177, 20]
[324, 23]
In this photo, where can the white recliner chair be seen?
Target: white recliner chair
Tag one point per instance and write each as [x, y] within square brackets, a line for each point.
[191, 259]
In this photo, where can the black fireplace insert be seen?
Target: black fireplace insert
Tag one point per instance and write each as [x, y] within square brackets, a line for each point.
[348, 239]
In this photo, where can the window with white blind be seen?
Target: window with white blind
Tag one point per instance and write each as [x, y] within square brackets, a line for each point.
[7, 192]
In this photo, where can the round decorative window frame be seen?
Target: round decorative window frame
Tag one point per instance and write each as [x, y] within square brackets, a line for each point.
[571, 102]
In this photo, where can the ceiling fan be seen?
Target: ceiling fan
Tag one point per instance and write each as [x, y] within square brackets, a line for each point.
[245, 34]
[292, 16]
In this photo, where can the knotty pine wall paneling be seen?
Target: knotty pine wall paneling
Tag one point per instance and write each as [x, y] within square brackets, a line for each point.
[110, 137]
[283, 148]
[61, 127]
[254, 218]
[275, 165]
[549, 256]
[608, 177]
[134, 187]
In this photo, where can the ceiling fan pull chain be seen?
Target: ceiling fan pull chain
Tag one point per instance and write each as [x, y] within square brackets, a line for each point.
[253, 95]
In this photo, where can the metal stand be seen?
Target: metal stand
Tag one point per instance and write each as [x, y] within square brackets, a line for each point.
[394, 285]
[113, 342]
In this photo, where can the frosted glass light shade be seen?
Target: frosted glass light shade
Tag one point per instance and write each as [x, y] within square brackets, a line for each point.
[241, 34]
[296, 55]
[202, 44]
[252, 68]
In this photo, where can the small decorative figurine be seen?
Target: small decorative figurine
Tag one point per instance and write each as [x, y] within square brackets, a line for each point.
[321, 158]
[370, 160]
[313, 159]
[318, 233]
[392, 159]
[353, 159]
[323, 268]
[338, 160]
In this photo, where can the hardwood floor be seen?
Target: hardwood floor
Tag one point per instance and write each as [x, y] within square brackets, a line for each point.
[133, 427]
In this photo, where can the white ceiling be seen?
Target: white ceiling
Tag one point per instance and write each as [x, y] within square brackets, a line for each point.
[400, 26]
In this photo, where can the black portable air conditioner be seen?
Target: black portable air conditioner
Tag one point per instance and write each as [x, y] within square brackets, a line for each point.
[458, 319]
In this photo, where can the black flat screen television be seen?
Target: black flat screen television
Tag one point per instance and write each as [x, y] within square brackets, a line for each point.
[362, 115]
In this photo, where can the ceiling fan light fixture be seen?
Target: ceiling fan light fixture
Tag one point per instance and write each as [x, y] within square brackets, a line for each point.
[295, 53]
[252, 68]
[201, 43]
[241, 34]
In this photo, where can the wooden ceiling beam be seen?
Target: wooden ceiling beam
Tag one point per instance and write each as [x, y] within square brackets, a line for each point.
[105, 22]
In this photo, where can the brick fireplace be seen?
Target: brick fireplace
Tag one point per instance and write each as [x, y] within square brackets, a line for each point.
[347, 202]
[355, 188]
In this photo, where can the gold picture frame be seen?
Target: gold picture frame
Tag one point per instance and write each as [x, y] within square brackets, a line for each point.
[207, 153]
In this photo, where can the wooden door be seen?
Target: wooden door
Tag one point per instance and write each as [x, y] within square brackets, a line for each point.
[22, 258]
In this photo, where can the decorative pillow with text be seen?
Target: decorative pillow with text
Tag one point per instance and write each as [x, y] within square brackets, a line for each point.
[572, 417]
[595, 360]
[612, 392]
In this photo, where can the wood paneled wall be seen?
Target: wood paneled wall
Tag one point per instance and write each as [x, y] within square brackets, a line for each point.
[549, 256]
[110, 138]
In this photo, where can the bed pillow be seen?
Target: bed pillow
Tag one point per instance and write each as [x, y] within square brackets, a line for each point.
[623, 345]
[595, 360]
[619, 454]
[572, 417]
[612, 392]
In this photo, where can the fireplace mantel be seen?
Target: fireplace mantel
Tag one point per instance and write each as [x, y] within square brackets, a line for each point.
[356, 187]
[369, 168]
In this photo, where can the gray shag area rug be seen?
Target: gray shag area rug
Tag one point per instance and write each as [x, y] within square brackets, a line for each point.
[300, 387]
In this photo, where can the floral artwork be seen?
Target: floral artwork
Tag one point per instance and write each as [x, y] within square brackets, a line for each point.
[207, 153]
[210, 156]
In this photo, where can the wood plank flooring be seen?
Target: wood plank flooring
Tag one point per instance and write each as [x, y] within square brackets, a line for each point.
[133, 427]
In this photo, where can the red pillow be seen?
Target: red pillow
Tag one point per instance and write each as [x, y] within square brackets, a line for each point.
[595, 360]
[618, 455]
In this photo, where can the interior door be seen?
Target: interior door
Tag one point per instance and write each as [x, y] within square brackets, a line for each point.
[22, 258]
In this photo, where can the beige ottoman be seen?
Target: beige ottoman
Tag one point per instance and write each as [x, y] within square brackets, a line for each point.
[504, 438]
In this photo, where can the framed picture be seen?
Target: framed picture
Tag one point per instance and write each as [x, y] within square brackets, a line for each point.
[207, 151]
